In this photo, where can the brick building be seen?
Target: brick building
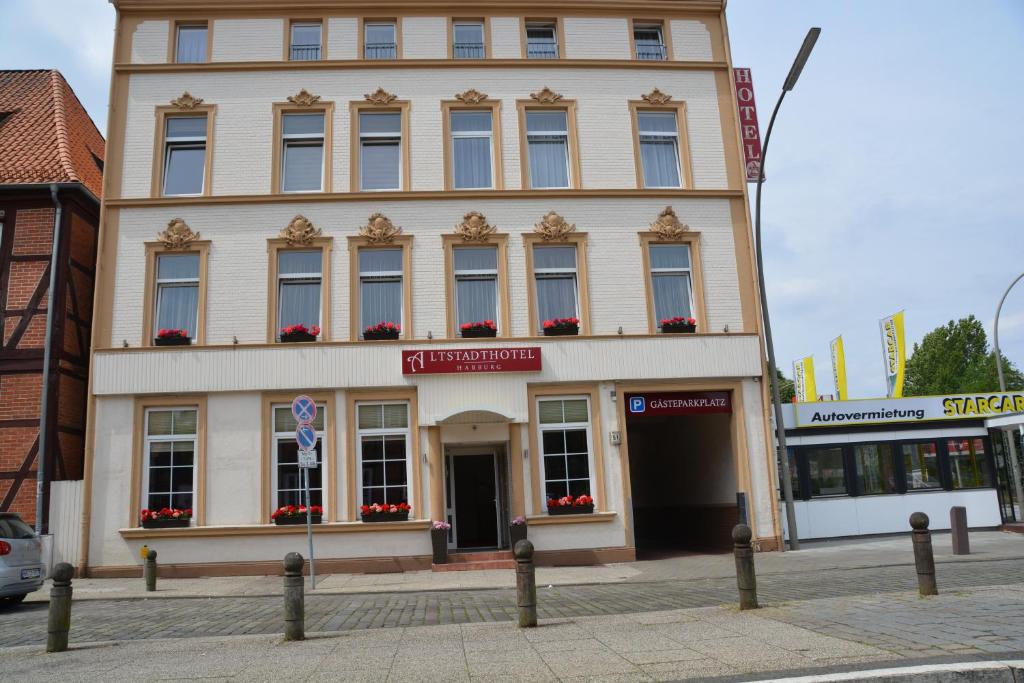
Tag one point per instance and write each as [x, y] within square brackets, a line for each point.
[51, 164]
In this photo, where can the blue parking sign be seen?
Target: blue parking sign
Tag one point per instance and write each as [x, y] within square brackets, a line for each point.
[637, 404]
[305, 436]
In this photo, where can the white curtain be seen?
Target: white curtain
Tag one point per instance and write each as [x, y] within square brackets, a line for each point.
[303, 167]
[548, 139]
[556, 297]
[381, 301]
[176, 308]
[471, 148]
[299, 303]
[659, 149]
[477, 299]
[191, 45]
[671, 295]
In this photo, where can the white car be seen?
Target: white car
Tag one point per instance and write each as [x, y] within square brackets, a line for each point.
[21, 563]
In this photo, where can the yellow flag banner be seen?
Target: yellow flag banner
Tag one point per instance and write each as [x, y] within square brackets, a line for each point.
[803, 380]
[894, 352]
[839, 368]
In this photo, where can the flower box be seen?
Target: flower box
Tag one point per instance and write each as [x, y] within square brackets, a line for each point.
[678, 325]
[297, 337]
[571, 509]
[385, 516]
[285, 520]
[477, 333]
[561, 331]
[172, 341]
[178, 523]
[387, 334]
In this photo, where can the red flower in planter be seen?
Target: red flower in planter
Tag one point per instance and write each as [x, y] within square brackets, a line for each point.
[561, 322]
[382, 327]
[569, 501]
[678, 320]
[482, 325]
[170, 333]
[165, 513]
[299, 328]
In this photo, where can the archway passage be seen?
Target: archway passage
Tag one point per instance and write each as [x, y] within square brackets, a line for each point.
[683, 479]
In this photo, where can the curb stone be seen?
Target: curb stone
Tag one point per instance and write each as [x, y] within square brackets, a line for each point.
[1011, 671]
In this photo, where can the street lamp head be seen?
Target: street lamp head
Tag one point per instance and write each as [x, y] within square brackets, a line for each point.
[801, 58]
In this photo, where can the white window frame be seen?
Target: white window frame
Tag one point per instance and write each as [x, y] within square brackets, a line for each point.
[661, 135]
[302, 140]
[556, 273]
[547, 26]
[177, 43]
[565, 426]
[299, 278]
[161, 284]
[548, 134]
[406, 432]
[149, 440]
[473, 135]
[319, 44]
[661, 41]
[687, 271]
[483, 38]
[477, 274]
[279, 437]
[365, 137]
[184, 142]
[394, 38]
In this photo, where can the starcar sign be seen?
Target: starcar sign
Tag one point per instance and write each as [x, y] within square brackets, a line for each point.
[470, 361]
[914, 409]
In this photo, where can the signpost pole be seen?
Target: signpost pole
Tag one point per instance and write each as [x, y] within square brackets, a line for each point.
[309, 529]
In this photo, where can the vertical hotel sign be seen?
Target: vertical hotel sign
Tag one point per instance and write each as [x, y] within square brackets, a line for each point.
[894, 353]
[749, 129]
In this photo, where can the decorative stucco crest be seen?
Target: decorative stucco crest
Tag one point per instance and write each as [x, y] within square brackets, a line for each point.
[186, 101]
[380, 97]
[300, 231]
[471, 96]
[380, 229]
[546, 96]
[668, 226]
[656, 97]
[304, 98]
[553, 227]
[177, 235]
[474, 228]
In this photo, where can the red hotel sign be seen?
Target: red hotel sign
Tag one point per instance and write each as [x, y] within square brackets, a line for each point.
[466, 361]
[679, 403]
[748, 123]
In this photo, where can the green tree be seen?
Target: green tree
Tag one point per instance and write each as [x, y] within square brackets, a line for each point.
[786, 390]
[955, 358]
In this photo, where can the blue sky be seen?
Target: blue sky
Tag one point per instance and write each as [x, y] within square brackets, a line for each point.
[893, 177]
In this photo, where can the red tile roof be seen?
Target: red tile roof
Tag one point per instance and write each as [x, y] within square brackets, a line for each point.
[46, 136]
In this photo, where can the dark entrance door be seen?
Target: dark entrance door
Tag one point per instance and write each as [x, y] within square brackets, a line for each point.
[476, 521]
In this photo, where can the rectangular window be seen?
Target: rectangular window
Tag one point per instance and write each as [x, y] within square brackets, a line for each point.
[541, 40]
[547, 140]
[191, 44]
[472, 149]
[306, 41]
[170, 456]
[921, 465]
[876, 469]
[379, 40]
[649, 41]
[177, 293]
[299, 277]
[380, 287]
[184, 155]
[380, 150]
[967, 463]
[468, 40]
[826, 470]
[302, 156]
[565, 446]
[287, 476]
[382, 437]
[659, 148]
[476, 284]
[671, 281]
[794, 474]
[554, 271]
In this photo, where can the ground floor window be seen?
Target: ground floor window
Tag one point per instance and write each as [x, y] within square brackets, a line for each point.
[287, 475]
[921, 466]
[967, 463]
[876, 472]
[170, 457]
[565, 446]
[382, 440]
[826, 472]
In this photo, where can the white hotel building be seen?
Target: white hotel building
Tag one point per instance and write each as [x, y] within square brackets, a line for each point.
[341, 164]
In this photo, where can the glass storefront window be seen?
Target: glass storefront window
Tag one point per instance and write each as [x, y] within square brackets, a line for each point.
[876, 472]
[921, 464]
[967, 466]
[794, 475]
[826, 469]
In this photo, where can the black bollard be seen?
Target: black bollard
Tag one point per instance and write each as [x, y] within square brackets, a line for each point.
[526, 584]
[149, 570]
[294, 598]
[746, 579]
[924, 559]
[958, 527]
[59, 622]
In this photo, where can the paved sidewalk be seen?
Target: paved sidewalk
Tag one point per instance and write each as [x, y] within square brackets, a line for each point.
[814, 557]
[833, 634]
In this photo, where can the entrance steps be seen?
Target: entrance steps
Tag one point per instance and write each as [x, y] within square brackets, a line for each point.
[464, 562]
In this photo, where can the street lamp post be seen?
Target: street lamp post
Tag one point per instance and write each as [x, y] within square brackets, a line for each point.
[780, 427]
[1018, 476]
